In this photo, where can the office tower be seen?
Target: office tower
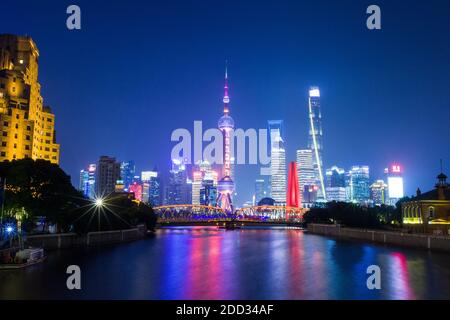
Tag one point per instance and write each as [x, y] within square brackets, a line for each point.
[202, 173]
[378, 193]
[261, 191]
[306, 175]
[127, 171]
[225, 186]
[293, 193]
[197, 178]
[27, 126]
[277, 162]
[208, 193]
[177, 189]
[136, 188]
[359, 184]
[108, 173]
[87, 181]
[315, 140]
[84, 182]
[151, 187]
[394, 174]
[335, 184]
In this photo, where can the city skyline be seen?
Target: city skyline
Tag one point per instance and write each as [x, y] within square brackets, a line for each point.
[371, 93]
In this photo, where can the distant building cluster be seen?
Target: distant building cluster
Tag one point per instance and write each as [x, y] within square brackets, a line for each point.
[109, 176]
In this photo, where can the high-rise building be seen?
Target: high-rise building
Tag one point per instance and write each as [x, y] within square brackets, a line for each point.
[335, 184]
[359, 184]
[261, 190]
[84, 182]
[208, 193]
[315, 141]
[108, 173]
[225, 186]
[87, 181]
[277, 161]
[177, 191]
[203, 173]
[28, 126]
[127, 172]
[378, 192]
[306, 175]
[136, 188]
[151, 187]
[394, 174]
[293, 193]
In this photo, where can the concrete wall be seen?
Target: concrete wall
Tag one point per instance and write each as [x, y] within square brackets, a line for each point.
[431, 242]
[69, 240]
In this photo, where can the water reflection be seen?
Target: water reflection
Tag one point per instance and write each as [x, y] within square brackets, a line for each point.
[207, 263]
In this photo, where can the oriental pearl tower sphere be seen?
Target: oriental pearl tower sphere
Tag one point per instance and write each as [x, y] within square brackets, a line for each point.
[225, 186]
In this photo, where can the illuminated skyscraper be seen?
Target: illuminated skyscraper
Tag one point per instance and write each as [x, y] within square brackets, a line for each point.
[27, 125]
[177, 191]
[151, 187]
[226, 125]
[107, 174]
[277, 162]
[127, 171]
[87, 181]
[315, 141]
[335, 184]
[359, 184]
[136, 188]
[394, 174]
[306, 175]
[378, 192]
[261, 191]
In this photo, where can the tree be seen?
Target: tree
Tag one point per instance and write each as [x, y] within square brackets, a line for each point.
[37, 188]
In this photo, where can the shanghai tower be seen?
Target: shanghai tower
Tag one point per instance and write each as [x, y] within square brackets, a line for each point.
[315, 140]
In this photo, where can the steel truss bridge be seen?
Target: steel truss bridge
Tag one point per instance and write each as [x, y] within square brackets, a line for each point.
[200, 213]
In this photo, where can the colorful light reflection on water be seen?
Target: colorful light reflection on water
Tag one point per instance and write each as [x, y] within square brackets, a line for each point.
[263, 263]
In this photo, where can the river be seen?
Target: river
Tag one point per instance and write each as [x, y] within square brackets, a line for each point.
[259, 263]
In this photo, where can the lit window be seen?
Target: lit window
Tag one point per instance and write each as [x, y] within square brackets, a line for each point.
[21, 61]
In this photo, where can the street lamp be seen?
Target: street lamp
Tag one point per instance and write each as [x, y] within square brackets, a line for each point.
[99, 202]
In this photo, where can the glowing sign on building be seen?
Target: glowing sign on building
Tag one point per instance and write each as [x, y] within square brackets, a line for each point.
[395, 186]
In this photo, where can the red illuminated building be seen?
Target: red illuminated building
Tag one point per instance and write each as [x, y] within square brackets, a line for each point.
[293, 194]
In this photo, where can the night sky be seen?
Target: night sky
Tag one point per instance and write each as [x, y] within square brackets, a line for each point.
[140, 69]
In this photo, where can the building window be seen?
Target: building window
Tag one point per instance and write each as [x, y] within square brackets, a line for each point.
[5, 123]
[4, 144]
[17, 126]
[5, 134]
[28, 128]
[27, 138]
[431, 212]
[3, 154]
[17, 116]
[15, 145]
[15, 135]
[27, 147]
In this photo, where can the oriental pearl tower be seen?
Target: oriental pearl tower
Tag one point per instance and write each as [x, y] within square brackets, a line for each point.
[225, 186]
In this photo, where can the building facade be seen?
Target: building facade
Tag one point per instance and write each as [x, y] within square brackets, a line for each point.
[277, 162]
[335, 184]
[360, 184]
[430, 209]
[27, 127]
[306, 174]
[315, 140]
[108, 173]
[378, 192]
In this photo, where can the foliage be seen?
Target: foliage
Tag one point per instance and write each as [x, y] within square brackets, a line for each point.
[356, 216]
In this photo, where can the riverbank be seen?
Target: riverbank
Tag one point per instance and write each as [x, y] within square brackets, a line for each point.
[422, 241]
[70, 240]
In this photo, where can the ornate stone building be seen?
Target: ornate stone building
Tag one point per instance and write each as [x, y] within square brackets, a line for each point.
[27, 127]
